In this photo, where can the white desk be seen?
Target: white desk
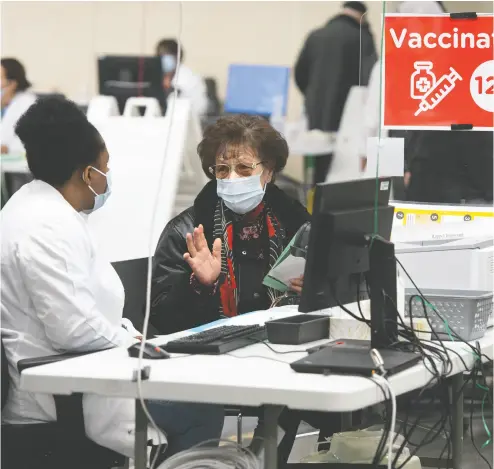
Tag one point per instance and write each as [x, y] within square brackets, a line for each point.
[253, 376]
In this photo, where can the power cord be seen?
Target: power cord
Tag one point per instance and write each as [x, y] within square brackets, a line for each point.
[224, 457]
[151, 248]
[381, 379]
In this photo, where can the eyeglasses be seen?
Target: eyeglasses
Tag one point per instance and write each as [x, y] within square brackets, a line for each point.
[222, 171]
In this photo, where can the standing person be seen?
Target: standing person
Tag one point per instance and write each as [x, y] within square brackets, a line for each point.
[16, 98]
[189, 84]
[333, 59]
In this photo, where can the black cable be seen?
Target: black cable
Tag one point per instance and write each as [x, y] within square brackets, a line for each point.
[474, 373]
[379, 454]
[366, 321]
[358, 299]
[453, 333]
[278, 352]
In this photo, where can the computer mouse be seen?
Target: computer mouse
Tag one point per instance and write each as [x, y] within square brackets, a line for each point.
[151, 352]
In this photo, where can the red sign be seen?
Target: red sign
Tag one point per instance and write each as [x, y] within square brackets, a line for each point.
[438, 71]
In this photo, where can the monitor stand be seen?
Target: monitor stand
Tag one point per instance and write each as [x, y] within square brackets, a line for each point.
[343, 356]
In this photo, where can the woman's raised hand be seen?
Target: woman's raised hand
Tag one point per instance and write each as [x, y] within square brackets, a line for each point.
[205, 265]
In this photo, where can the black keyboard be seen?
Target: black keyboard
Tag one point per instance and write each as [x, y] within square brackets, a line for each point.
[218, 340]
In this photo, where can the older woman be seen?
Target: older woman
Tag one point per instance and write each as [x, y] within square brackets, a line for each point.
[211, 259]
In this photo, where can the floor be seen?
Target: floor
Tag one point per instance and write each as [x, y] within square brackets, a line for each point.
[305, 445]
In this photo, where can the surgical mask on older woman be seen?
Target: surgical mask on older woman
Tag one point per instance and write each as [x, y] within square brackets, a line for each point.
[241, 195]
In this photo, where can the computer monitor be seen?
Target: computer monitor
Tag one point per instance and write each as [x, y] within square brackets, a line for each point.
[131, 76]
[349, 241]
[257, 89]
[349, 250]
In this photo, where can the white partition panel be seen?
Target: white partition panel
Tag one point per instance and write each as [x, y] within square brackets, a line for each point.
[122, 228]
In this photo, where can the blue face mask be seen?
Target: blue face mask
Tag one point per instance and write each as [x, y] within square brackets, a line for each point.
[100, 199]
[168, 63]
[241, 195]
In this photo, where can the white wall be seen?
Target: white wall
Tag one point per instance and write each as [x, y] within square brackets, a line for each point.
[59, 42]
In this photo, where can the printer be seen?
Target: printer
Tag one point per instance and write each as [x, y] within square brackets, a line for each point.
[465, 264]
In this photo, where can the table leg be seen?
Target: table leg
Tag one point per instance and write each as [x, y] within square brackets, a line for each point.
[346, 421]
[456, 387]
[141, 437]
[271, 416]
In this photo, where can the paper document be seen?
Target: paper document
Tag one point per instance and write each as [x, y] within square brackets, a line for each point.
[292, 267]
[286, 268]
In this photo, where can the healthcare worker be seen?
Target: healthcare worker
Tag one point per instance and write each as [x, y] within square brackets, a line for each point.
[15, 100]
[189, 84]
[59, 294]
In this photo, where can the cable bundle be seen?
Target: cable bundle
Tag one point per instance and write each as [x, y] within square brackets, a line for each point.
[223, 457]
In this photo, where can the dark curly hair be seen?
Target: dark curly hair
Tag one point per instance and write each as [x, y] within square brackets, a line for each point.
[58, 140]
[235, 132]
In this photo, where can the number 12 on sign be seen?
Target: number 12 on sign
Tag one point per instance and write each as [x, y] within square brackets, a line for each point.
[482, 86]
[485, 84]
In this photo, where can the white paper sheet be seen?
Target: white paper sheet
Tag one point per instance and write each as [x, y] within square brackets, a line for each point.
[292, 267]
[391, 157]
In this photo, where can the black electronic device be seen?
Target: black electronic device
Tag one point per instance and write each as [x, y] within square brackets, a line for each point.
[349, 250]
[353, 357]
[150, 352]
[218, 340]
[131, 76]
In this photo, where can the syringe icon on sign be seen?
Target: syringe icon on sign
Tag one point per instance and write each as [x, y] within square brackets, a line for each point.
[440, 90]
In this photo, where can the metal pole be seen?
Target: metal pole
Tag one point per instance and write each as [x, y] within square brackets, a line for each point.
[346, 421]
[271, 415]
[141, 437]
[456, 386]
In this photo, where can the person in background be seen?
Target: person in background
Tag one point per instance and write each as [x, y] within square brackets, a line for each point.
[334, 58]
[451, 167]
[440, 166]
[189, 84]
[60, 294]
[373, 103]
[15, 101]
[211, 259]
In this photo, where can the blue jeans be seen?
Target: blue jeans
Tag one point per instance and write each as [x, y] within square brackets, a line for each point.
[187, 424]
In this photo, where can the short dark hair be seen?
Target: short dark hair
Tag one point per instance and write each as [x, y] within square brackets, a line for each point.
[251, 132]
[58, 140]
[15, 71]
[171, 46]
[357, 6]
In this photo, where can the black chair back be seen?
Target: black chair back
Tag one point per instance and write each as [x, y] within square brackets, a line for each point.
[133, 275]
[5, 376]
[214, 105]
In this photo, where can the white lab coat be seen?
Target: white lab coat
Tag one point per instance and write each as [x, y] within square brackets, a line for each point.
[58, 295]
[18, 106]
[191, 86]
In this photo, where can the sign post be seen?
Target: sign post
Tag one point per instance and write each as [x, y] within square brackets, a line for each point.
[438, 72]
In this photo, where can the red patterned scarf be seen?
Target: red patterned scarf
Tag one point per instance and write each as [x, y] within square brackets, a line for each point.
[223, 229]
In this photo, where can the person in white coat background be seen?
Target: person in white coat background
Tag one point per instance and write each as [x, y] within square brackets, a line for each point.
[16, 98]
[189, 84]
[60, 294]
[373, 104]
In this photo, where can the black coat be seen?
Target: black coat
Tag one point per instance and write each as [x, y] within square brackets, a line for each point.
[174, 305]
[329, 65]
[450, 166]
